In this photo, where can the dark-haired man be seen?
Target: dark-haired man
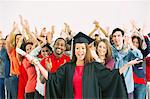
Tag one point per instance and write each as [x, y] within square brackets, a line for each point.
[122, 54]
[58, 57]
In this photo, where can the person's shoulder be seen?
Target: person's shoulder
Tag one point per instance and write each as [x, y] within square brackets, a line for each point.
[3, 49]
[113, 47]
[66, 56]
[97, 65]
[43, 60]
[25, 60]
[68, 65]
[52, 55]
[111, 59]
[94, 63]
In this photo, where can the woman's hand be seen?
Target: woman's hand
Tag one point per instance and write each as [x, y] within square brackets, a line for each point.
[48, 64]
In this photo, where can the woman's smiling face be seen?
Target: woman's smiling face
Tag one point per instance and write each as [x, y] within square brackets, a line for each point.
[80, 51]
[102, 49]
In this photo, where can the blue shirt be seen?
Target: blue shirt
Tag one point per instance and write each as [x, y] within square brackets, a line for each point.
[121, 57]
[1, 68]
[6, 62]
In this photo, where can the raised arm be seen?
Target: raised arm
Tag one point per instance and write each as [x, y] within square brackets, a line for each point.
[44, 72]
[95, 28]
[100, 28]
[50, 34]
[18, 46]
[27, 33]
[104, 32]
[34, 61]
[135, 28]
[10, 42]
[36, 50]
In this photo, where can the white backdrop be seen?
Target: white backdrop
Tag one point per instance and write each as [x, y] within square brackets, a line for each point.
[78, 14]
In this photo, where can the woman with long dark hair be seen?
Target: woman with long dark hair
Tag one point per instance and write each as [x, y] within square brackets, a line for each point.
[138, 73]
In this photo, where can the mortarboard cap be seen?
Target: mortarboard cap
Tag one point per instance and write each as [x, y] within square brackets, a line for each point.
[81, 38]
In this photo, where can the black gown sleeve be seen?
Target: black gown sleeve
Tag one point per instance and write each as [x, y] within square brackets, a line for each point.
[55, 82]
[111, 83]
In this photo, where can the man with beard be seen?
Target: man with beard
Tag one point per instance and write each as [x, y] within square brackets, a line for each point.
[57, 58]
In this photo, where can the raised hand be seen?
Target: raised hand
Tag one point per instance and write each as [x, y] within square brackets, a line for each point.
[36, 31]
[43, 31]
[48, 64]
[67, 28]
[64, 61]
[96, 24]
[21, 20]
[108, 29]
[15, 27]
[0, 34]
[26, 25]
[52, 29]
[133, 23]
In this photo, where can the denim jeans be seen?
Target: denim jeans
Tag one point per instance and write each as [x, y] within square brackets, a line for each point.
[30, 95]
[12, 87]
[139, 91]
[148, 91]
[2, 90]
[130, 95]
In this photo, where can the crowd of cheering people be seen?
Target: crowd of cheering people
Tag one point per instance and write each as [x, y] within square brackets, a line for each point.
[99, 64]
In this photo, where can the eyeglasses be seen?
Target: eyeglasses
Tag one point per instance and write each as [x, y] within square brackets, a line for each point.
[45, 51]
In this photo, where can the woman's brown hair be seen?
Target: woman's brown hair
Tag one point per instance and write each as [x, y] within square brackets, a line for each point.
[139, 41]
[88, 57]
[109, 50]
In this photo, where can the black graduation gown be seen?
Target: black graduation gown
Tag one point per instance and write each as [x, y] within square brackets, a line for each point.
[98, 82]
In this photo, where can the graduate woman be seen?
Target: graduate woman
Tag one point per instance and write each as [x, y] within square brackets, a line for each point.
[84, 78]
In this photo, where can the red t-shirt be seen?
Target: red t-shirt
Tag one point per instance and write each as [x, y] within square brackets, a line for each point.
[31, 72]
[77, 82]
[138, 80]
[56, 62]
[23, 78]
